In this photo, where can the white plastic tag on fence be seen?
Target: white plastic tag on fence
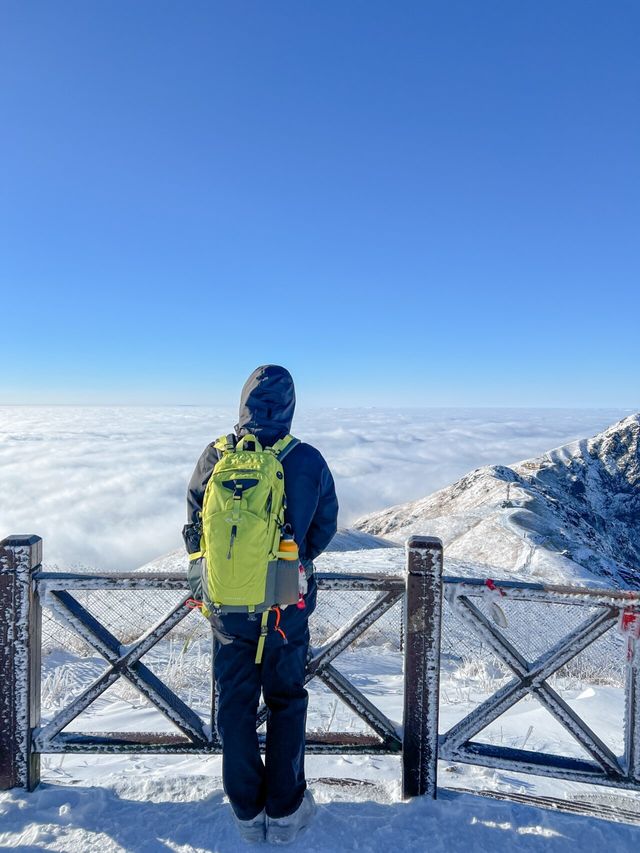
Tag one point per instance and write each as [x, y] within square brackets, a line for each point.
[497, 613]
[453, 591]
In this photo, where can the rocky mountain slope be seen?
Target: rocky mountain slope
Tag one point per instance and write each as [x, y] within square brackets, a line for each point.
[572, 514]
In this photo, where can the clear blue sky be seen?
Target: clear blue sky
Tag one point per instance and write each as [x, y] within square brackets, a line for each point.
[429, 203]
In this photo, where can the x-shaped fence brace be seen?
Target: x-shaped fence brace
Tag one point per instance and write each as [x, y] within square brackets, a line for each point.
[320, 666]
[125, 662]
[531, 678]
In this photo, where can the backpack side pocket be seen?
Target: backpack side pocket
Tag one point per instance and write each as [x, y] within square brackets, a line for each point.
[195, 575]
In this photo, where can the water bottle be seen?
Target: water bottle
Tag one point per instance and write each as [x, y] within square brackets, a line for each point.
[287, 578]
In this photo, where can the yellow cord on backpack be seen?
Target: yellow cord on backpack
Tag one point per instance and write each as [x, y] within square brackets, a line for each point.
[263, 636]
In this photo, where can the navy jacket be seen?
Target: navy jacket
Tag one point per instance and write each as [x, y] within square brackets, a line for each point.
[267, 405]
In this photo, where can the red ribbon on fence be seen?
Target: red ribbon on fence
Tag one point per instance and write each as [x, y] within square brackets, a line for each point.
[492, 586]
[629, 625]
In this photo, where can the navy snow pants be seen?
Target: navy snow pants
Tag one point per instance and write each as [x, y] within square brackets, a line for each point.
[278, 784]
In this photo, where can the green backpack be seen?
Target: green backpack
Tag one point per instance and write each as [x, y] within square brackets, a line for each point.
[246, 567]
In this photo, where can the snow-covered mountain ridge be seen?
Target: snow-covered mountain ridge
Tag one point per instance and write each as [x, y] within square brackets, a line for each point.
[572, 514]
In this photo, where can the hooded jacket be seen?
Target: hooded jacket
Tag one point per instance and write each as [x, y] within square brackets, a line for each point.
[267, 404]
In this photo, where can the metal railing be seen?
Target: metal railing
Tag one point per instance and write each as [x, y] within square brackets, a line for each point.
[24, 587]
[440, 616]
[479, 607]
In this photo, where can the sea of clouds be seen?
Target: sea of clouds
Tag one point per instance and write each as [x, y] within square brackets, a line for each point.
[105, 486]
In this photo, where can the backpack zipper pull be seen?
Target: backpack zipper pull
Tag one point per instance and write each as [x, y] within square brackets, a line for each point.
[234, 531]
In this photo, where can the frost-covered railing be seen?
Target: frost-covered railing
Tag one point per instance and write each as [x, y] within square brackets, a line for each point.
[24, 586]
[479, 606]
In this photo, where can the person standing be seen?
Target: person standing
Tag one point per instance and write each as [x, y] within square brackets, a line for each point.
[265, 651]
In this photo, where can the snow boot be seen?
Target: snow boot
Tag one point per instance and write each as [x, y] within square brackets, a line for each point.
[284, 830]
[252, 831]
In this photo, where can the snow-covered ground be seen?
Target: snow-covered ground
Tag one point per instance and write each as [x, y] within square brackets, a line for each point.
[182, 809]
[154, 803]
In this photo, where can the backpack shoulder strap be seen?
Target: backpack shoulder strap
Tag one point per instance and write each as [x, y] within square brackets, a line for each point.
[225, 443]
[284, 446]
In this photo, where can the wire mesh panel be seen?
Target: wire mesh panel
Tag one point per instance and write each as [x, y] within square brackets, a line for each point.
[336, 608]
[540, 679]
[128, 613]
[132, 642]
[183, 658]
[532, 628]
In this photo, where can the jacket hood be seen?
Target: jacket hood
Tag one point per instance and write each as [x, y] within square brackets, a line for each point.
[267, 404]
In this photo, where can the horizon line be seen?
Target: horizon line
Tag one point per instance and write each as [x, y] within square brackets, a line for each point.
[631, 409]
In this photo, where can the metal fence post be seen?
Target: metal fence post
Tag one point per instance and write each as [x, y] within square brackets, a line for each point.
[20, 645]
[632, 710]
[423, 614]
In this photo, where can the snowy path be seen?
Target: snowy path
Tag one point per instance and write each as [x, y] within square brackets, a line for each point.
[188, 814]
